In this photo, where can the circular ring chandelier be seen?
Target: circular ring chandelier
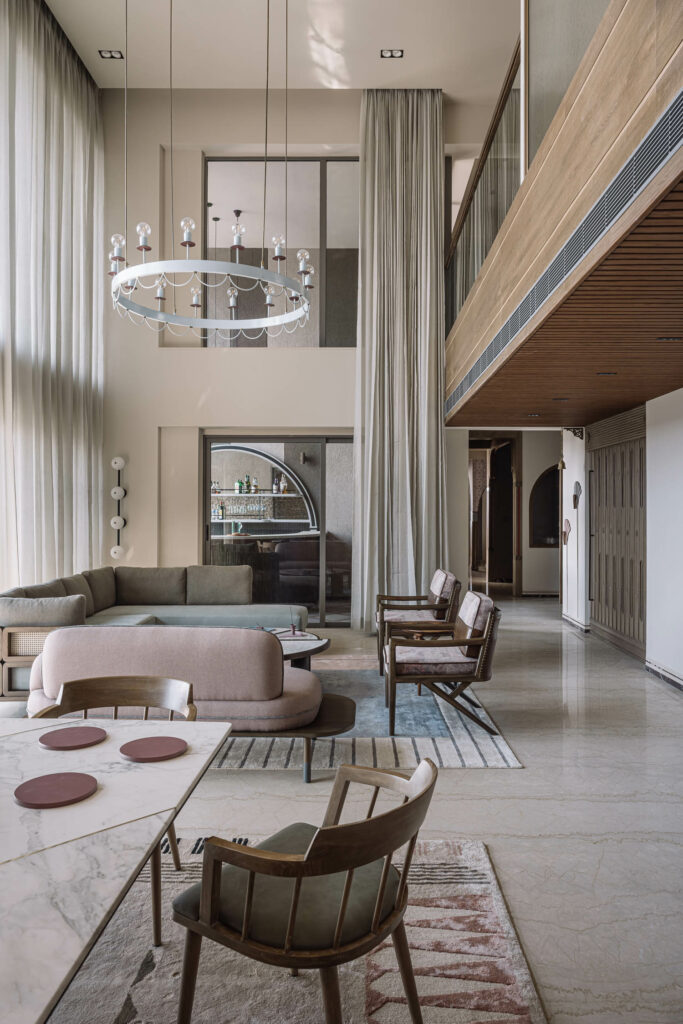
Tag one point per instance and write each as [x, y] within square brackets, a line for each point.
[203, 275]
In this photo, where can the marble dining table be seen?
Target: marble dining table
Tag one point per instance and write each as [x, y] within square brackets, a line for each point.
[64, 871]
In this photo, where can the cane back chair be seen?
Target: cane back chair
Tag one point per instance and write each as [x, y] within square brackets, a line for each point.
[439, 605]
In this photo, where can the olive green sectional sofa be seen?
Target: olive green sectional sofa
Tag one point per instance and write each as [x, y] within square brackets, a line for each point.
[198, 595]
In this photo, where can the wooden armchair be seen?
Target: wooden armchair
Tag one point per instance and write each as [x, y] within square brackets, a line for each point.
[312, 897]
[172, 695]
[455, 656]
[439, 605]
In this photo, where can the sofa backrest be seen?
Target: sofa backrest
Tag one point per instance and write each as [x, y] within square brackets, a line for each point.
[150, 585]
[221, 663]
[219, 584]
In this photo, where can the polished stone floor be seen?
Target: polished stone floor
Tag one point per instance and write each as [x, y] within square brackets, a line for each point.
[586, 840]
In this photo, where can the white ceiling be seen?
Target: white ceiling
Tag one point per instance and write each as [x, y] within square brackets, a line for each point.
[461, 46]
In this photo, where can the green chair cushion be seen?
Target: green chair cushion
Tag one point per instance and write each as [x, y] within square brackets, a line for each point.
[319, 899]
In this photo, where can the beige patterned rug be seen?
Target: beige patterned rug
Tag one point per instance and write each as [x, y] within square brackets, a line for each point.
[468, 962]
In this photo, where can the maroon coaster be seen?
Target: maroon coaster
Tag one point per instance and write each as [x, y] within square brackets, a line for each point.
[56, 790]
[153, 748]
[75, 737]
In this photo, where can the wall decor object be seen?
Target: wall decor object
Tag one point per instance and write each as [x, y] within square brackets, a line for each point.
[118, 493]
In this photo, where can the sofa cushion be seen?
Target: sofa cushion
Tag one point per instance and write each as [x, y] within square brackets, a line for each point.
[297, 706]
[102, 585]
[55, 588]
[115, 616]
[150, 585]
[219, 584]
[42, 611]
[77, 584]
[319, 902]
[14, 592]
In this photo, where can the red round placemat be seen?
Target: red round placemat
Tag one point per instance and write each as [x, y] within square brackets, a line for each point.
[57, 790]
[153, 748]
[75, 737]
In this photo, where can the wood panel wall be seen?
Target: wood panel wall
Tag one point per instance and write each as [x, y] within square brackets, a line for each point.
[630, 74]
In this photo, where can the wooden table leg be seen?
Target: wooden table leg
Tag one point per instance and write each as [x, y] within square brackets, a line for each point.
[155, 871]
[173, 843]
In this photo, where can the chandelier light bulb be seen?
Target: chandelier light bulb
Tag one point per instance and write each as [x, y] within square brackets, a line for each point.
[160, 294]
[232, 297]
[309, 274]
[303, 257]
[113, 264]
[279, 247]
[196, 294]
[270, 296]
[187, 226]
[119, 243]
[238, 233]
[143, 232]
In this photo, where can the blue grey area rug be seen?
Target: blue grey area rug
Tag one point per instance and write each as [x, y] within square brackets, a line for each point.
[425, 727]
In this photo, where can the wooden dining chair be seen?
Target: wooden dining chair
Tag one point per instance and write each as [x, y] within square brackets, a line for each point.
[439, 605]
[172, 695]
[313, 898]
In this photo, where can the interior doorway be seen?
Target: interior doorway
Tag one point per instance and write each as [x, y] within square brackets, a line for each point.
[492, 473]
[283, 505]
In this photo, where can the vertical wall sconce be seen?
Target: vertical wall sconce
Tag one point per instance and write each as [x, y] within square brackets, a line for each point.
[118, 493]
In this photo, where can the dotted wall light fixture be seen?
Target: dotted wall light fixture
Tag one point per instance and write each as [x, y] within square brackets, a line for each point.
[118, 493]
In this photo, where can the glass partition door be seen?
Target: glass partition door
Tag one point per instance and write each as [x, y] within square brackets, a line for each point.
[268, 502]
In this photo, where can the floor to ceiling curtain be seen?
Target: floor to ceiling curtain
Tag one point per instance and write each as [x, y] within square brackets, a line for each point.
[399, 489]
[51, 258]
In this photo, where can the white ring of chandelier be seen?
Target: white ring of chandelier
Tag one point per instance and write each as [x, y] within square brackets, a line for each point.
[191, 270]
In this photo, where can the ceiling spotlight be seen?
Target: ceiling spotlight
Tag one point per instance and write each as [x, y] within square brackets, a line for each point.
[391, 53]
[533, 415]
[671, 338]
[606, 373]
[111, 54]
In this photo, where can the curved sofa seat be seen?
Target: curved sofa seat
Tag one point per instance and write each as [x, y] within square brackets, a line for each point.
[236, 674]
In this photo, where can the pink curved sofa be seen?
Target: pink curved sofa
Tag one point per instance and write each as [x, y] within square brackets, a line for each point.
[236, 674]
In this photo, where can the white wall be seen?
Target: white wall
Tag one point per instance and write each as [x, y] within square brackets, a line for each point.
[575, 605]
[457, 502]
[664, 468]
[541, 449]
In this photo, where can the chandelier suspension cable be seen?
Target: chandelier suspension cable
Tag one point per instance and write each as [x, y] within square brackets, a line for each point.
[265, 145]
[170, 113]
[286, 116]
[125, 123]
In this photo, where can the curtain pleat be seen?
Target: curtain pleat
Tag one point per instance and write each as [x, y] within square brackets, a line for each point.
[399, 492]
[51, 354]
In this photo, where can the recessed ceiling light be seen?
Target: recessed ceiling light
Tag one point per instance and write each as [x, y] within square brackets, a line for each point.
[671, 338]
[533, 414]
[391, 53]
[606, 373]
[110, 54]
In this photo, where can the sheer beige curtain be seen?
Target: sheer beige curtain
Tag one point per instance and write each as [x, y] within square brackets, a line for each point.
[51, 259]
[399, 511]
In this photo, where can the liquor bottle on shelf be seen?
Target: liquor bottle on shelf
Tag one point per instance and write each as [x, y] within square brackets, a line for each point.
[254, 486]
[238, 486]
[276, 485]
[283, 484]
[247, 484]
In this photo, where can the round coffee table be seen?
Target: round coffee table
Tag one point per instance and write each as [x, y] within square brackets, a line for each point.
[298, 649]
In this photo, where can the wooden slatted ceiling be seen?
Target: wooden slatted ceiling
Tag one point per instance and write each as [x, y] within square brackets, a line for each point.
[609, 324]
